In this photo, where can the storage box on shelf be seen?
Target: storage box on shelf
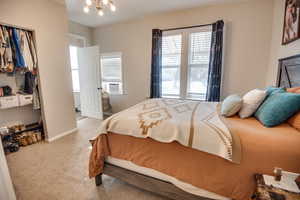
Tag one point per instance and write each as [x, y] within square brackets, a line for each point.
[25, 99]
[15, 101]
[9, 102]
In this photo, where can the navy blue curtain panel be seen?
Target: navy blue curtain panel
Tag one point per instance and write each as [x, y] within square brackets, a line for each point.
[156, 66]
[215, 63]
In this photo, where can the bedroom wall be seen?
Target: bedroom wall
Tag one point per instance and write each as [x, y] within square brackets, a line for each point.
[81, 30]
[277, 50]
[49, 20]
[246, 52]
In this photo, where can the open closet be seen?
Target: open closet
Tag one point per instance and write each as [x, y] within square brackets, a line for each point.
[21, 121]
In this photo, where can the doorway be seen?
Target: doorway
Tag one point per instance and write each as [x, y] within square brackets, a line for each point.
[75, 42]
[86, 78]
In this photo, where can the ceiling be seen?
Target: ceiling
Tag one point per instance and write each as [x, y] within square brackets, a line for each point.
[129, 9]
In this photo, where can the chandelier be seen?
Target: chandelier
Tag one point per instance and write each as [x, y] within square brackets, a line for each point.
[99, 5]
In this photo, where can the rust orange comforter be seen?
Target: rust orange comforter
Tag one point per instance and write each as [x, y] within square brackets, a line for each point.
[262, 150]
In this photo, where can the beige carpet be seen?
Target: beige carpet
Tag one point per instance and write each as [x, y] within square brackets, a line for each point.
[58, 171]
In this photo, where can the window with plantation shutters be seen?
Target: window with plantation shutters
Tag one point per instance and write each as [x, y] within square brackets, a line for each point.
[185, 62]
[199, 51]
[171, 61]
[111, 70]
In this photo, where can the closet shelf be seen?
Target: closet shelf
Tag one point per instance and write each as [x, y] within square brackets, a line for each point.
[31, 127]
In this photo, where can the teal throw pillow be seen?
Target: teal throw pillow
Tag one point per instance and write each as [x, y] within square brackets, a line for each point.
[272, 90]
[278, 108]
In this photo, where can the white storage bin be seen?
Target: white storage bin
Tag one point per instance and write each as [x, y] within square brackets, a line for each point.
[25, 99]
[9, 102]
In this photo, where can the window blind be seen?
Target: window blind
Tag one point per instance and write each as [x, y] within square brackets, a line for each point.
[171, 61]
[171, 50]
[199, 53]
[199, 47]
[111, 68]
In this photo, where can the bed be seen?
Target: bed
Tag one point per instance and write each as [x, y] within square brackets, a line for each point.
[178, 170]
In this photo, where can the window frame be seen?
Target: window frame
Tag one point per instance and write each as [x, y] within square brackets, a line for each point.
[113, 54]
[185, 60]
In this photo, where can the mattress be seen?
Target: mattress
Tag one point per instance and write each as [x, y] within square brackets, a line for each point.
[161, 176]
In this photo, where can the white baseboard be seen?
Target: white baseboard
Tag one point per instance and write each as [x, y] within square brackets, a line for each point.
[62, 135]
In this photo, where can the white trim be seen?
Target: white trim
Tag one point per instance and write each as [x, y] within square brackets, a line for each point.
[188, 31]
[78, 37]
[62, 135]
[111, 54]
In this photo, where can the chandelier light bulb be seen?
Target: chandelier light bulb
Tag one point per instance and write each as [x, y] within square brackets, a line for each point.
[112, 7]
[105, 2]
[86, 9]
[100, 12]
[88, 2]
[99, 6]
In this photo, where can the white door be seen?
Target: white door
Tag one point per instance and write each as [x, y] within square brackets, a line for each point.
[6, 186]
[90, 82]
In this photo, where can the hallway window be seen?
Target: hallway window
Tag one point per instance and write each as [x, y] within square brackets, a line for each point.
[75, 68]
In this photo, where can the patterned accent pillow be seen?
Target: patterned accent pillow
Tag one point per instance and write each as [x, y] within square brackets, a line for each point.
[295, 120]
[251, 101]
[278, 108]
[231, 105]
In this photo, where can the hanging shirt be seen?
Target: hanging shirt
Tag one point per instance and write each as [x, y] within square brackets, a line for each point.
[25, 50]
[29, 83]
[32, 48]
[17, 53]
[6, 59]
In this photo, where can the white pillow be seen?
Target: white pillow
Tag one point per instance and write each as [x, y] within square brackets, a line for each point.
[251, 102]
[231, 105]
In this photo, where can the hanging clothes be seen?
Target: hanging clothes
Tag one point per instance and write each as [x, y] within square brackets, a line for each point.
[6, 59]
[25, 50]
[18, 51]
[29, 82]
[32, 48]
[36, 96]
[16, 47]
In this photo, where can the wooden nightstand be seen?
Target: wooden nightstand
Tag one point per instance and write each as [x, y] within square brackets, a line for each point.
[269, 189]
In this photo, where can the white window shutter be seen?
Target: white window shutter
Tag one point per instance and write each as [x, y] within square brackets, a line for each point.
[111, 70]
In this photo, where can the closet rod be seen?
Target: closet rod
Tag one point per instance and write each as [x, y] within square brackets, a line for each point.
[14, 26]
[186, 27]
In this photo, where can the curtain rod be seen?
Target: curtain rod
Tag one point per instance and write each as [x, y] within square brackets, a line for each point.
[186, 27]
[14, 26]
